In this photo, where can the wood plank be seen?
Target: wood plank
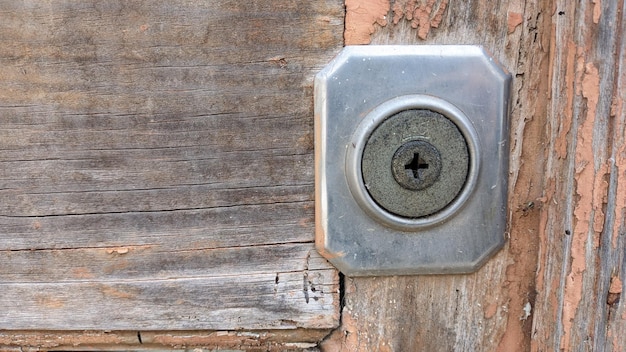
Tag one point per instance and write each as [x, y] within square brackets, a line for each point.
[484, 311]
[141, 263]
[557, 285]
[582, 264]
[156, 166]
[247, 301]
[259, 341]
[222, 226]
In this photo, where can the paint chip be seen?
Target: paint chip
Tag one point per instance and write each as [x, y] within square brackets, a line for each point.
[361, 18]
[423, 16]
[514, 20]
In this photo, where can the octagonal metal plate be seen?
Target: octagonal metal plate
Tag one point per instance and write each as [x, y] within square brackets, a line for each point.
[353, 94]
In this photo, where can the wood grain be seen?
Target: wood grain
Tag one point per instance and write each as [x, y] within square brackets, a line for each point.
[152, 150]
[581, 263]
[557, 285]
[156, 166]
[244, 301]
[484, 311]
[300, 340]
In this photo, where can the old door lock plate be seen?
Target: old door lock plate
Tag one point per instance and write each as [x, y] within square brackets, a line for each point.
[411, 159]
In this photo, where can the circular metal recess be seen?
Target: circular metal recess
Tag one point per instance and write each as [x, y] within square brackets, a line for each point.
[415, 163]
[396, 216]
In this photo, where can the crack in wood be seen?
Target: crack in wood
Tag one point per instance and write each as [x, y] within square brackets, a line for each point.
[182, 278]
[172, 188]
[191, 209]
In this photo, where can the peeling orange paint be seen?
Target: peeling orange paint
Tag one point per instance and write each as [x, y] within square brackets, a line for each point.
[597, 10]
[616, 285]
[615, 290]
[514, 20]
[591, 91]
[600, 190]
[589, 206]
[543, 222]
[423, 16]
[361, 18]
[619, 164]
[491, 310]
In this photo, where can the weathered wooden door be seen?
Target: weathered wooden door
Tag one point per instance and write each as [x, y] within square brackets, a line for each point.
[156, 179]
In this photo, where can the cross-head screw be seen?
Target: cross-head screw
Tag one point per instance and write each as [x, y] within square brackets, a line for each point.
[416, 165]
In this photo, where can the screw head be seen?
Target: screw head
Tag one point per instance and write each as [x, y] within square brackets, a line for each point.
[416, 165]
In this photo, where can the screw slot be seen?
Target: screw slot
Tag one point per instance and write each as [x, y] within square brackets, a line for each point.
[416, 165]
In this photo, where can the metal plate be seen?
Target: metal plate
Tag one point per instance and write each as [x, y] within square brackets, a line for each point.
[356, 92]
